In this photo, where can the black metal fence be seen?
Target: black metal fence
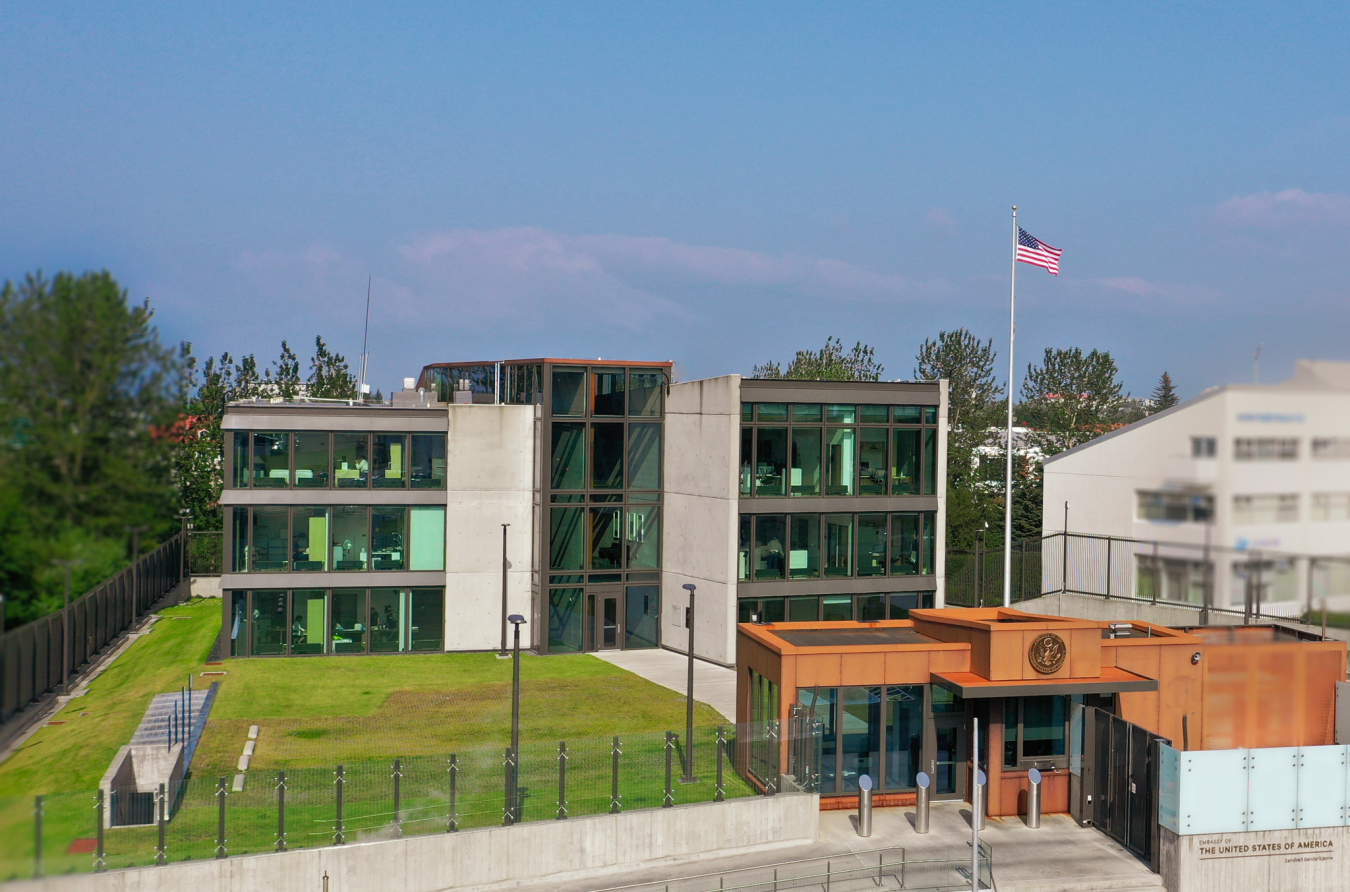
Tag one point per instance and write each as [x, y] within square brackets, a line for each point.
[264, 811]
[39, 657]
[205, 552]
[975, 577]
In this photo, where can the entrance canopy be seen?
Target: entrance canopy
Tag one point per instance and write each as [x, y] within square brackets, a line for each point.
[1111, 681]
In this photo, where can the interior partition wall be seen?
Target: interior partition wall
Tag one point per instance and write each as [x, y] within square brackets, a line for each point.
[315, 622]
[602, 490]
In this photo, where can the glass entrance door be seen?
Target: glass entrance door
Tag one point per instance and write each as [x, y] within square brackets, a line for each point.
[947, 763]
[607, 634]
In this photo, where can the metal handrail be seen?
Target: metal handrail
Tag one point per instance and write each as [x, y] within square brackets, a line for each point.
[699, 876]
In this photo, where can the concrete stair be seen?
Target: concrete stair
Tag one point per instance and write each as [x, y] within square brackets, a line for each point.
[1138, 882]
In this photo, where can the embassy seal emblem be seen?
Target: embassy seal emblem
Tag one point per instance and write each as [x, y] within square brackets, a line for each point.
[1047, 653]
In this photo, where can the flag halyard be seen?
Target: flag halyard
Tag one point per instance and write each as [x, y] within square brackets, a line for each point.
[1036, 252]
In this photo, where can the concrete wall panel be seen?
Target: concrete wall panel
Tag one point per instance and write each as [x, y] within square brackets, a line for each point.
[488, 859]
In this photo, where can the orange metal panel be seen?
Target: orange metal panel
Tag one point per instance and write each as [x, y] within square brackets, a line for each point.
[911, 667]
[818, 670]
[862, 669]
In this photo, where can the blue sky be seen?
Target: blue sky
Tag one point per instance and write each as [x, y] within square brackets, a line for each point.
[717, 184]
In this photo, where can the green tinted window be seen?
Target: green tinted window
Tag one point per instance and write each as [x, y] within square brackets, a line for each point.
[773, 411]
[806, 412]
[568, 463]
[874, 414]
[841, 414]
[908, 414]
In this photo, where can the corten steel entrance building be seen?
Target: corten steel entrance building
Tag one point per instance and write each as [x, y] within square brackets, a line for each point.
[350, 526]
[898, 697]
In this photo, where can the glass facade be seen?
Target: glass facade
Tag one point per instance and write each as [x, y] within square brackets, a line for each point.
[876, 730]
[786, 450]
[841, 608]
[606, 441]
[342, 460]
[798, 546]
[314, 622]
[275, 538]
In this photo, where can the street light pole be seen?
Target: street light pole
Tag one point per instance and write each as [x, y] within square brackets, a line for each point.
[689, 700]
[516, 620]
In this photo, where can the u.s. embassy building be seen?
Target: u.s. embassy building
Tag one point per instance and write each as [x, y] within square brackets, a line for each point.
[584, 495]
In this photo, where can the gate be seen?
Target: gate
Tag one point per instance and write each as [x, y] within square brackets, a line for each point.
[1121, 775]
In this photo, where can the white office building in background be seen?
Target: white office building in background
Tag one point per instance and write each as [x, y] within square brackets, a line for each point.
[1247, 482]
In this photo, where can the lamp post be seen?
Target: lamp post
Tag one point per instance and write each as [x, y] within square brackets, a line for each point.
[506, 619]
[184, 520]
[689, 700]
[65, 623]
[513, 782]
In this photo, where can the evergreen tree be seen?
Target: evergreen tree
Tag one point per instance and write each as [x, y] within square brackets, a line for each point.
[328, 374]
[828, 364]
[1164, 395]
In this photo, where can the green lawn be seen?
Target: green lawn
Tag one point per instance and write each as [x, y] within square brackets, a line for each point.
[361, 712]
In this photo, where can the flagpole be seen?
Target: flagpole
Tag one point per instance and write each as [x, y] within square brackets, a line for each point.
[1007, 480]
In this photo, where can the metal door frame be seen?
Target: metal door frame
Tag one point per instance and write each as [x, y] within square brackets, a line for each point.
[1120, 781]
[961, 722]
[595, 595]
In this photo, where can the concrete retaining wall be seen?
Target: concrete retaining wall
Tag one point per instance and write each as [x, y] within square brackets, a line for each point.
[494, 858]
[1268, 860]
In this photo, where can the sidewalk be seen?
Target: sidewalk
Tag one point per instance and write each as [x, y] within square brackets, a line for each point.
[1059, 856]
[714, 685]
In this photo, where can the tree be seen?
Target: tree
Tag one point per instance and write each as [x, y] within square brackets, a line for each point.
[86, 425]
[328, 374]
[829, 364]
[1164, 395]
[1070, 398]
[223, 381]
[973, 409]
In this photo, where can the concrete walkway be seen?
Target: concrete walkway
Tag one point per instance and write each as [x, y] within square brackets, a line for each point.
[714, 685]
[1059, 857]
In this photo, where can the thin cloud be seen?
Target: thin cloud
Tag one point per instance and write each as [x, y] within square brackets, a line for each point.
[1160, 290]
[1280, 210]
[550, 259]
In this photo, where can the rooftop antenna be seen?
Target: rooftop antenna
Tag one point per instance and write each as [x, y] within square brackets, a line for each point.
[1256, 364]
[365, 342]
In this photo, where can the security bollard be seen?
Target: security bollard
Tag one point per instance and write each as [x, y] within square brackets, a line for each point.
[1034, 799]
[864, 806]
[923, 782]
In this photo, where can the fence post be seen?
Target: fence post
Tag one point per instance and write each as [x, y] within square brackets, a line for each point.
[772, 787]
[281, 811]
[37, 836]
[99, 864]
[562, 779]
[670, 749]
[398, 802]
[509, 809]
[1109, 543]
[160, 857]
[337, 829]
[719, 792]
[222, 790]
[453, 824]
[614, 754]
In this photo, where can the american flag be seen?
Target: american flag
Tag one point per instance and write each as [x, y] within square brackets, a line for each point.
[1036, 252]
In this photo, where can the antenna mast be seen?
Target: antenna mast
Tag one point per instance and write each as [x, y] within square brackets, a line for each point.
[365, 342]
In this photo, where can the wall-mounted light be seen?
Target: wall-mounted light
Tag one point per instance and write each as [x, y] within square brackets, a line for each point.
[1195, 658]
